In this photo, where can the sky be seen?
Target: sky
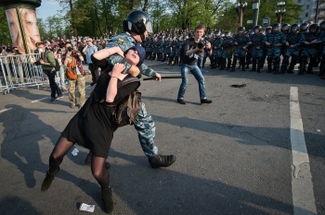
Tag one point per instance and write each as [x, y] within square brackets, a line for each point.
[48, 8]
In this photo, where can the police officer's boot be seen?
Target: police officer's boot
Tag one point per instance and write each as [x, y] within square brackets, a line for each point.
[176, 61]
[311, 65]
[269, 64]
[276, 65]
[259, 65]
[161, 161]
[293, 62]
[242, 62]
[322, 67]
[302, 68]
[222, 63]
[229, 63]
[213, 63]
[254, 64]
[233, 65]
[284, 65]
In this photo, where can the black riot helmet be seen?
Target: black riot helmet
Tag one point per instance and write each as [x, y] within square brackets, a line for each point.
[304, 26]
[257, 28]
[138, 22]
[285, 28]
[241, 28]
[322, 26]
[276, 27]
[294, 28]
[314, 28]
[227, 34]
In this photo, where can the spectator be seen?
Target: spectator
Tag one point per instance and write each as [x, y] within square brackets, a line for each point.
[48, 63]
[73, 54]
[90, 49]
[60, 73]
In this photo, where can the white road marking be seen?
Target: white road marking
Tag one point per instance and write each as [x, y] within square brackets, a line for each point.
[39, 99]
[302, 186]
[4, 110]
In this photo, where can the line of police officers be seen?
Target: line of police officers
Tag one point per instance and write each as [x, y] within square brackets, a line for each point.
[303, 44]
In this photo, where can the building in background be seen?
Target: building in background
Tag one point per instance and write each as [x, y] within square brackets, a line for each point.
[313, 10]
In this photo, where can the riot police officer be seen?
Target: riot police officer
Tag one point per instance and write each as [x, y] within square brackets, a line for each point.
[227, 51]
[274, 42]
[240, 41]
[310, 49]
[216, 50]
[322, 65]
[257, 42]
[293, 43]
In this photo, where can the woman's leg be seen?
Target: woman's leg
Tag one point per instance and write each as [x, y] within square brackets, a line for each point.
[102, 176]
[61, 148]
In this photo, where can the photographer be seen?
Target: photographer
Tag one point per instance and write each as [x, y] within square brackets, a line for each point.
[73, 54]
[61, 75]
[193, 48]
[48, 63]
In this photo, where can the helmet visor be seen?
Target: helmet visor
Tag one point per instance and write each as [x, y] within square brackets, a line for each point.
[149, 27]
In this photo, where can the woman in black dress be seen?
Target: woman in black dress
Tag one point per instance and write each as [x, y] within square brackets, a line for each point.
[92, 127]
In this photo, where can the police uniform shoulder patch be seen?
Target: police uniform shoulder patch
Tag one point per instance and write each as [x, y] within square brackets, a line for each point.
[120, 40]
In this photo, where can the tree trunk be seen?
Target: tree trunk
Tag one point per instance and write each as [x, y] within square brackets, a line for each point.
[74, 29]
[145, 6]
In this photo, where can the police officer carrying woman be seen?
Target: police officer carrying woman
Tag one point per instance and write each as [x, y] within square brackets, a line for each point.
[93, 126]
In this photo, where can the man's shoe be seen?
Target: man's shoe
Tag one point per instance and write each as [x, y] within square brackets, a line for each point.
[161, 161]
[206, 101]
[59, 97]
[107, 197]
[48, 179]
[181, 101]
[52, 100]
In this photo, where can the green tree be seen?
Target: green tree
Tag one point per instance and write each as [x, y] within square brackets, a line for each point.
[267, 10]
[4, 29]
[189, 13]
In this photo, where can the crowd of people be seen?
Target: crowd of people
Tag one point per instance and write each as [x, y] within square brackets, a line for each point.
[282, 47]
[120, 60]
[119, 56]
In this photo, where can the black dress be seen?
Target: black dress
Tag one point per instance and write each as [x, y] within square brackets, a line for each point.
[92, 126]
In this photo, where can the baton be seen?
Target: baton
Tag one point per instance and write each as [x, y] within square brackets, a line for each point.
[164, 77]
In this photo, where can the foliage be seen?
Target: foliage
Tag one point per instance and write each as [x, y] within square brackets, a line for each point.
[97, 18]
[4, 29]
[267, 10]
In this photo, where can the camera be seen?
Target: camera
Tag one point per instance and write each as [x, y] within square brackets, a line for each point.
[201, 44]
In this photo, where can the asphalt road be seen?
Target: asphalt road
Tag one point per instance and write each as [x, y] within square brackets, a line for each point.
[233, 156]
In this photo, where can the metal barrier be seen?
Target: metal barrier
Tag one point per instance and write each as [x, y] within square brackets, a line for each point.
[20, 71]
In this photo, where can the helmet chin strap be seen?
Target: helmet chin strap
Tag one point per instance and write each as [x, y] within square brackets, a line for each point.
[143, 38]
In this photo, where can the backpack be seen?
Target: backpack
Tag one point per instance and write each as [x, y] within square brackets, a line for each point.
[71, 72]
[127, 109]
[57, 65]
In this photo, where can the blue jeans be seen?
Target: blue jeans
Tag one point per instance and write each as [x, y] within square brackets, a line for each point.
[195, 70]
[54, 87]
